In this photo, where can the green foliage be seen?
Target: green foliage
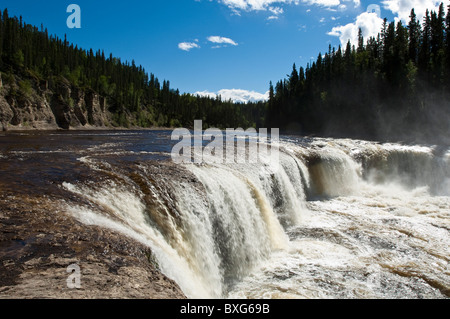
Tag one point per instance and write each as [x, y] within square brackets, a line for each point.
[25, 88]
[18, 58]
[70, 102]
[134, 96]
[393, 86]
[74, 76]
[121, 120]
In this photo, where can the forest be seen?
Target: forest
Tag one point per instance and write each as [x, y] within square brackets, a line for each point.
[395, 86]
[34, 55]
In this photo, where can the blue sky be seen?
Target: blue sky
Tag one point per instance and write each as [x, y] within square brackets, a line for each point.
[232, 47]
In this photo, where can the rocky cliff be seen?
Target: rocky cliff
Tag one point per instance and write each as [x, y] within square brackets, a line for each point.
[38, 240]
[33, 104]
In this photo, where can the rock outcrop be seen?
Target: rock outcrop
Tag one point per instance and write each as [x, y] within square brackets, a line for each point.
[6, 113]
[30, 104]
[39, 242]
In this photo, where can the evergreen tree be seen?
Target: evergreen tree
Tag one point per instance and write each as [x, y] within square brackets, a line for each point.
[395, 81]
[447, 47]
[293, 80]
[414, 31]
[133, 96]
[1, 37]
[424, 54]
[360, 41]
[437, 44]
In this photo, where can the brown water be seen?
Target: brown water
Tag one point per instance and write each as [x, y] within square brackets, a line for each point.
[337, 219]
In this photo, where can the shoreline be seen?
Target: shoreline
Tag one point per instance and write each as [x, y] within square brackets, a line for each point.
[18, 129]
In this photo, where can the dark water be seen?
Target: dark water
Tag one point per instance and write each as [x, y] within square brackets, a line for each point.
[338, 218]
[36, 161]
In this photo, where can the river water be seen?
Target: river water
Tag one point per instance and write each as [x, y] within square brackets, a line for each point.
[336, 218]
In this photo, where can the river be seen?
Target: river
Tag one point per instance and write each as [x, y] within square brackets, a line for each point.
[337, 218]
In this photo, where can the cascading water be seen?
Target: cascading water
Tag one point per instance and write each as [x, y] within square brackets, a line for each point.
[224, 229]
[336, 218]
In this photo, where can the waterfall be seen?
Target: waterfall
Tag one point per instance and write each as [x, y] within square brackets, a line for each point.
[409, 166]
[215, 222]
[211, 225]
[333, 174]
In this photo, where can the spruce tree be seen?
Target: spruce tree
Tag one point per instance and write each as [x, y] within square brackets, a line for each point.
[1, 37]
[414, 31]
[424, 54]
[360, 41]
[447, 47]
[437, 45]
[293, 80]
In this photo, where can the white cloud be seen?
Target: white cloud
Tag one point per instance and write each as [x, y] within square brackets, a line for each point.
[187, 46]
[324, 3]
[276, 10]
[255, 5]
[221, 40]
[357, 3]
[369, 23]
[274, 6]
[402, 8]
[263, 5]
[236, 95]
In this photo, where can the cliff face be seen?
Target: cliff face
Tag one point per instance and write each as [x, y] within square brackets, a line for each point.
[26, 104]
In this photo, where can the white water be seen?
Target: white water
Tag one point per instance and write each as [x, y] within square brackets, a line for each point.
[337, 219]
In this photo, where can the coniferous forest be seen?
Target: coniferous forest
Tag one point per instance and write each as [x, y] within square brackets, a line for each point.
[395, 86]
[134, 97]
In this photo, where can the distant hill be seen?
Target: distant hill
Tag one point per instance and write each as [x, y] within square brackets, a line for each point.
[47, 83]
[395, 86]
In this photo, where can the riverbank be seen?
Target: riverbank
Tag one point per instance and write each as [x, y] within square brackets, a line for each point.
[39, 241]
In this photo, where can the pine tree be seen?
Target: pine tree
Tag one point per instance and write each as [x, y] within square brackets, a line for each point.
[1, 37]
[129, 90]
[424, 54]
[293, 80]
[437, 44]
[414, 31]
[348, 60]
[447, 47]
[389, 61]
[271, 92]
[360, 41]
[381, 83]
[401, 44]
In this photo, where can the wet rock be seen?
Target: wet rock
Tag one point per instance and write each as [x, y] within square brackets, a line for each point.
[37, 247]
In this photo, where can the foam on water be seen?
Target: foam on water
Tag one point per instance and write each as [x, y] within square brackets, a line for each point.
[334, 219]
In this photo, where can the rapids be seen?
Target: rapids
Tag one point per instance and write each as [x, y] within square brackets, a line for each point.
[336, 218]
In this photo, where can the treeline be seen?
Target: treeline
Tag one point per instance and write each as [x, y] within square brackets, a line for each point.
[393, 86]
[390, 87]
[133, 96]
